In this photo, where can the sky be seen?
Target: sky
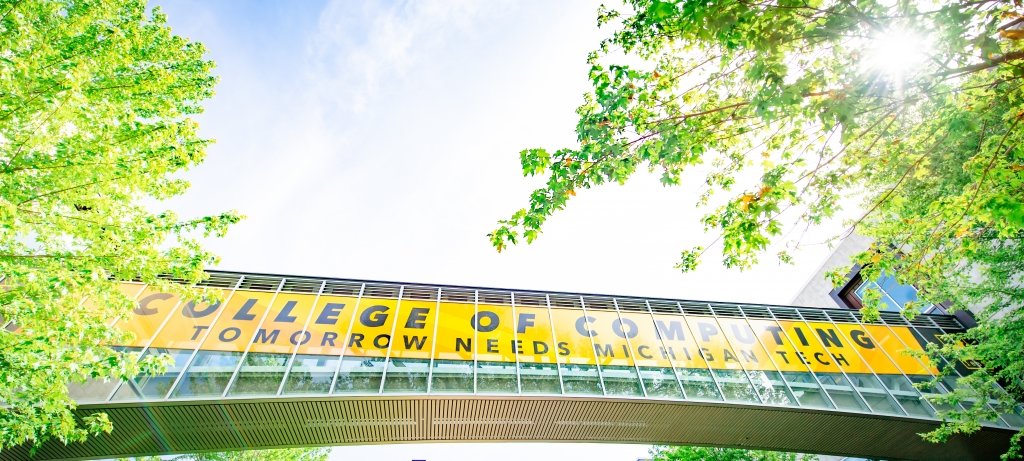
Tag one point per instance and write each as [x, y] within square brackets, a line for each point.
[380, 140]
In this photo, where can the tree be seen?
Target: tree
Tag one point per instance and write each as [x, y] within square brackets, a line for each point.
[97, 99]
[666, 453]
[284, 454]
[914, 107]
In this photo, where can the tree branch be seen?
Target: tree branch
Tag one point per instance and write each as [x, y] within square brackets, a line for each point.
[66, 189]
[1011, 56]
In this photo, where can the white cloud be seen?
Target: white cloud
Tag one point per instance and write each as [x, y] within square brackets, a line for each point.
[355, 48]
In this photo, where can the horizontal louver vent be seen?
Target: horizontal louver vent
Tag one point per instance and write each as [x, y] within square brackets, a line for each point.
[458, 295]
[690, 308]
[756, 312]
[565, 301]
[380, 290]
[495, 297]
[530, 299]
[633, 305]
[301, 285]
[255, 282]
[726, 311]
[601, 304]
[220, 281]
[421, 293]
[341, 288]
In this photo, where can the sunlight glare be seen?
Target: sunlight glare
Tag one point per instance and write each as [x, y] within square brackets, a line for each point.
[895, 53]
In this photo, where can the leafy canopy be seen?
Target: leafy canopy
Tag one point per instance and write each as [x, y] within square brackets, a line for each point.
[284, 454]
[667, 453]
[793, 106]
[97, 99]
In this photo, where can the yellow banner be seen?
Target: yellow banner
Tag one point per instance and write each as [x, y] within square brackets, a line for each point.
[374, 327]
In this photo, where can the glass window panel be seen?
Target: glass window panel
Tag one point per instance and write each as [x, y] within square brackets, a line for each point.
[806, 389]
[311, 374]
[260, 374]
[580, 375]
[928, 387]
[677, 345]
[97, 390]
[660, 383]
[874, 393]
[952, 382]
[621, 380]
[842, 393]
[698, 384]
[208, 374]
[903, 390]
[496, 377]
[581, 379]
[407, 375]
[92, 390]
[760, 366]
[883, 349]
[359, 375]
[887, 303]
[900, 294]
[771, 388]
[1015, 417]
[776, 339]
[724, 361]
[894, 294]
[148, 387]
[735, 386]
[452, 376]
[539, 378]
[615, 349]
[538, 365]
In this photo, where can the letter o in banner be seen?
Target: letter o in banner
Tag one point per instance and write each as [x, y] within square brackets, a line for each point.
[191, 312]
[630, 331]
[492, 321]
[581, 326]
[235, 333]
[295, 338]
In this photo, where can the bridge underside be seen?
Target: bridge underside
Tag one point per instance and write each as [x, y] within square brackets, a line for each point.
[218, 425]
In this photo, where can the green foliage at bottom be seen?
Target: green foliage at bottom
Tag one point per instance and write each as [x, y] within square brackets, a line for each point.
[284, 454]
[665, 453]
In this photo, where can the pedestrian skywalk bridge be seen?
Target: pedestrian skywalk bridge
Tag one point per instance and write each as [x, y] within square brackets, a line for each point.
[284, 361]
